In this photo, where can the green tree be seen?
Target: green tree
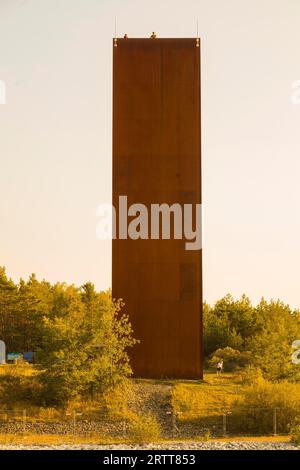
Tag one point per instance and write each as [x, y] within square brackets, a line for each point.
[228, 323]
[279, 326]
[8, 301]
[85, 350]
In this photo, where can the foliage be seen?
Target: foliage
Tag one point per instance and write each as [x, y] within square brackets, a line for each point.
[49, 414]
[265, 332]
[228, 323]
[115, 401]
[254, 410]
[19, 383]
[85, 351]
[250, 407]
[80, 336]
[233, 359]
[249, 374]
[22, 308]
[295, 431]
[271, 345]
[144, 428]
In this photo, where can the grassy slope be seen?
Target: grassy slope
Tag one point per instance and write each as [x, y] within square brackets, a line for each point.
[192, 402]
[211, 397]
[189, 399]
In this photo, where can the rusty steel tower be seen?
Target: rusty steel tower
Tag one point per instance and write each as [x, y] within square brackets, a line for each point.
[157, 159]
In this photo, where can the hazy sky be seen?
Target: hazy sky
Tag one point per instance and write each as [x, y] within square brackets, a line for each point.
[55, 137]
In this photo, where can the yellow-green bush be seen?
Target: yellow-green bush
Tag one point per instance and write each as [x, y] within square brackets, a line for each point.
[49, 414]
[144, 428]
[19, 383]
[295, 432]
[20, 368]
[116, 399]
[262, 403]
[251, 404]
[233, 359]
[249, 374]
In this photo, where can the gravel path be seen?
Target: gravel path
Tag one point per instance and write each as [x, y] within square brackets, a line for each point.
[234, 445]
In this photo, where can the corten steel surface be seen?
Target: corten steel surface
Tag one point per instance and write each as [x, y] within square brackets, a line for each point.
[157, 159]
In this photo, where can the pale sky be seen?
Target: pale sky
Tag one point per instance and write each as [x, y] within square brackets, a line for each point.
[55, 137]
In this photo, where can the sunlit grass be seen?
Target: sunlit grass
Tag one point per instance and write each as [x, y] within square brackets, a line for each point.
[59, 440]
[211, 397]
[56, 439]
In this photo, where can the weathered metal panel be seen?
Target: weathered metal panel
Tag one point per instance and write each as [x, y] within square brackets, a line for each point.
[157, 159]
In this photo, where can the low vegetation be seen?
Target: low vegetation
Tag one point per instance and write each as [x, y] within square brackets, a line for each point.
[81, 375]
[145, 429]
[264, 406]
[260, 336]
[149, 411]
[80, 338]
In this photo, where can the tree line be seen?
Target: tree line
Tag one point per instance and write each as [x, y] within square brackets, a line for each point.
[80, 336]
[260, 336]
[82, 340]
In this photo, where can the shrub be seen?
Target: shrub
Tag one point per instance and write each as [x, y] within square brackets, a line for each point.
[249, 374]
[144, 429]
[49, 414]
[295, 432]
[116, 399]
[232, 358]
[85, 352]
[254, 412]
[19, 383]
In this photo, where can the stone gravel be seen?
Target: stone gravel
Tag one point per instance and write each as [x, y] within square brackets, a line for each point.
[233, 445]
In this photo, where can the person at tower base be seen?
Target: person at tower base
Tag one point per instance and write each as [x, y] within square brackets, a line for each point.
[220, 366]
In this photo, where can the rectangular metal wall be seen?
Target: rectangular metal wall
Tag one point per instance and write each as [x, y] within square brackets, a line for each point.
[157, 159]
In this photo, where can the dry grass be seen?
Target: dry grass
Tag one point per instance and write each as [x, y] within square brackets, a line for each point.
[198, 406]
[55, 439]
[278, 438]
[208, 398]
[19, 369]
